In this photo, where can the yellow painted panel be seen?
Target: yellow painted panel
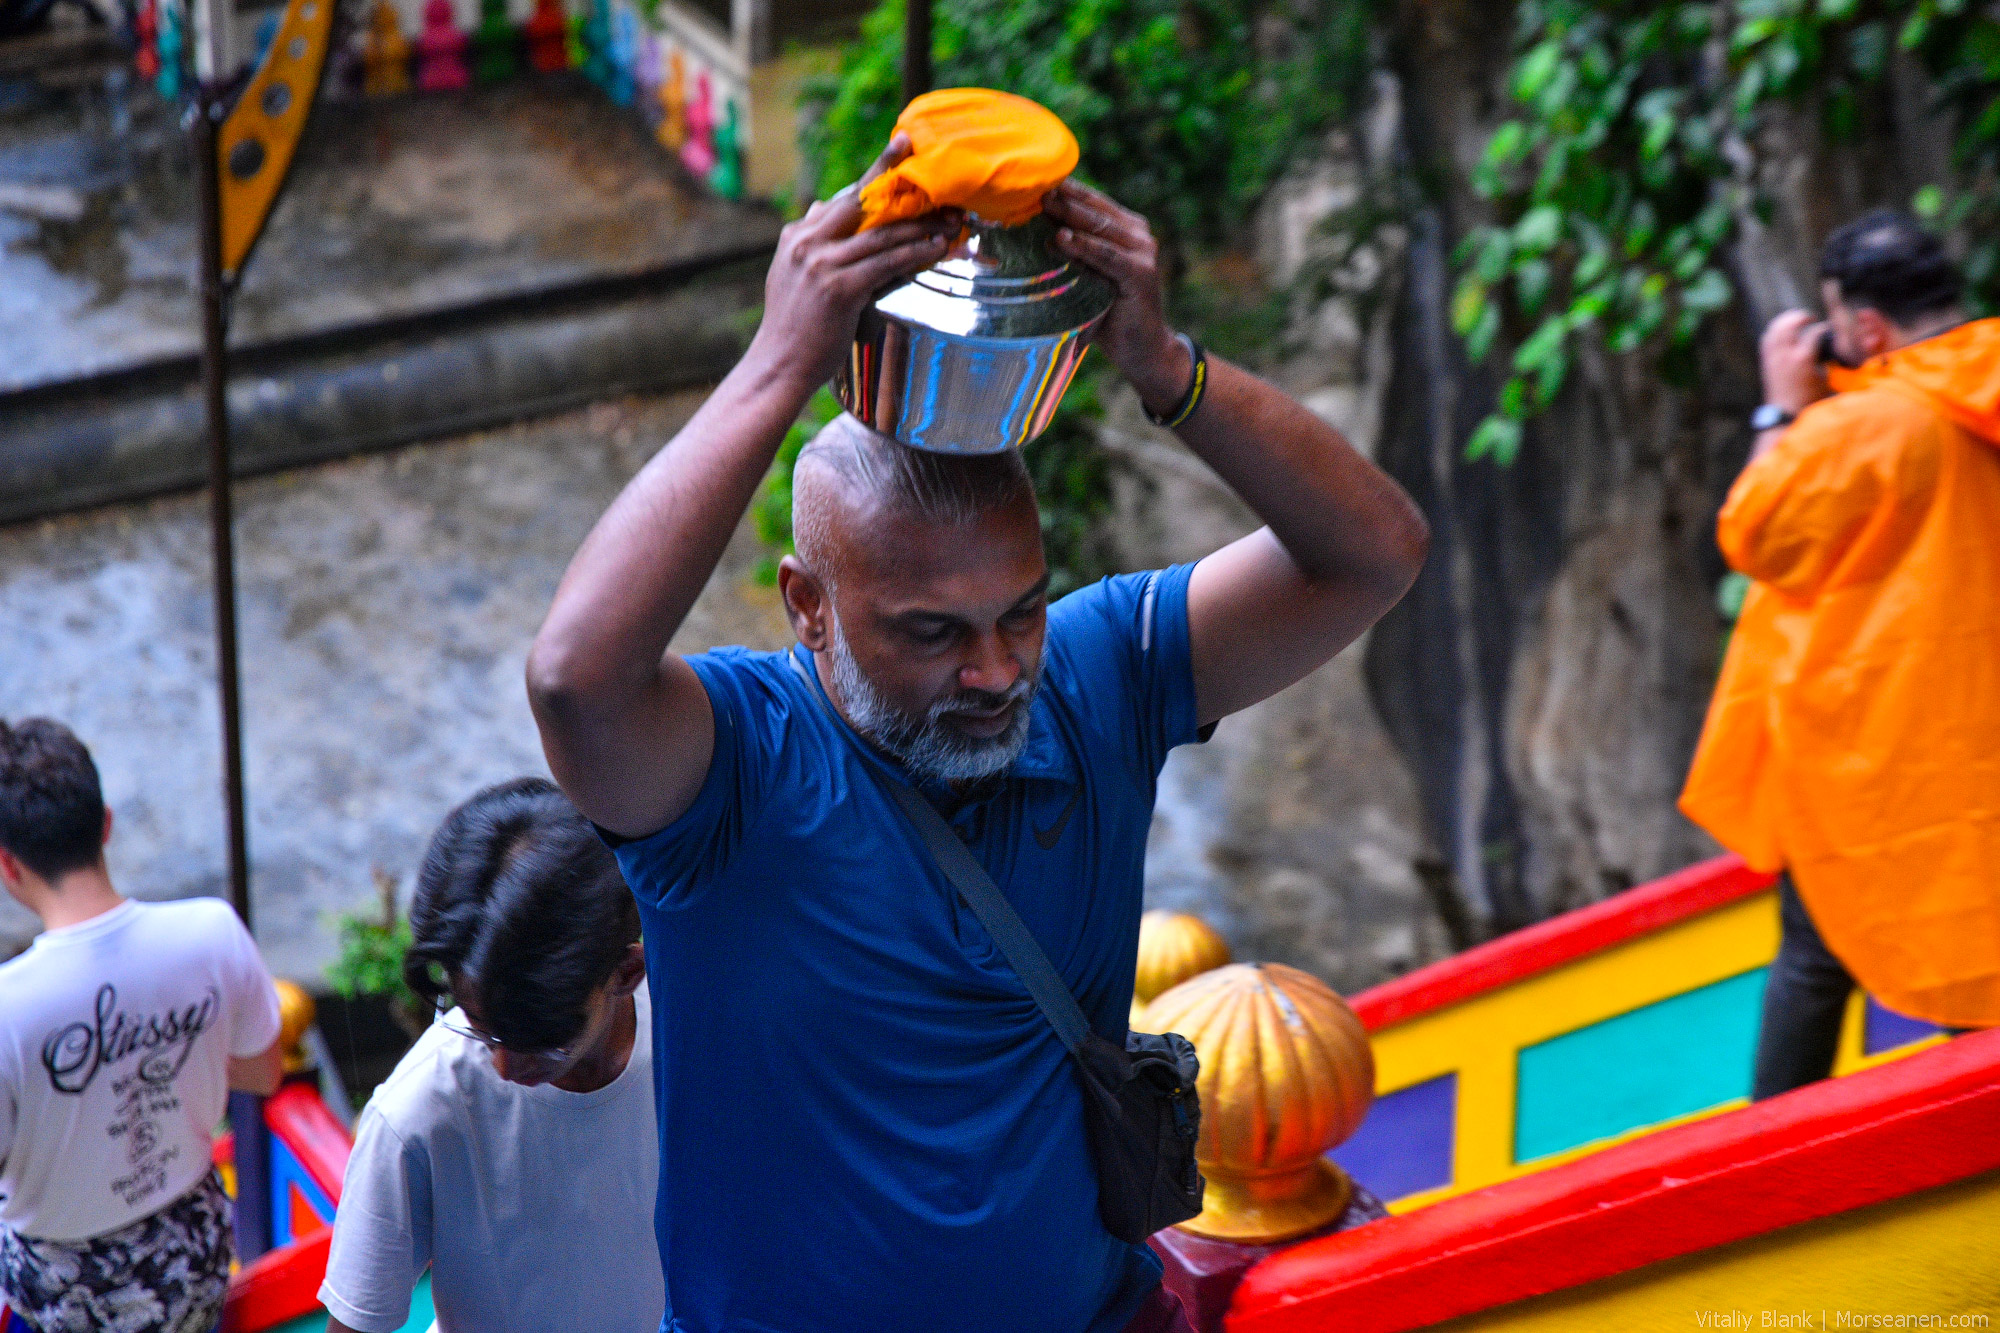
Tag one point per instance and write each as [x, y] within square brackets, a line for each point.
[1480, 1038]
[254, 145]
[1935, 1253]
[1708, 948]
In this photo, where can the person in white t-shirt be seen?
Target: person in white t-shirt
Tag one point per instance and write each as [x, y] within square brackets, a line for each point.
[513, 1152]
[122, 1030]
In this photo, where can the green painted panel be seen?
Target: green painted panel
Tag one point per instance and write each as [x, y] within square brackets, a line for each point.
[305, 1323]
[1671, 1058]
[422, 1314]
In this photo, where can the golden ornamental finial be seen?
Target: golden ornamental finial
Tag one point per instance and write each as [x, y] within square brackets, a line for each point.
[1173, 946]
[1286, 1075]
[296, 1011]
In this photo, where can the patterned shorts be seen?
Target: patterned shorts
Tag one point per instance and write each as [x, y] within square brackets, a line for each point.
[167, 1273]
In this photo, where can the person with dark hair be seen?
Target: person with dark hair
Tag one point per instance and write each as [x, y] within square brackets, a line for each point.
[512, 1153]
[1854, 738]
[122, 1030]
[868, 1124]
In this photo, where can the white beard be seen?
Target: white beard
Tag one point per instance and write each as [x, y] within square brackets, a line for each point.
[927, 746]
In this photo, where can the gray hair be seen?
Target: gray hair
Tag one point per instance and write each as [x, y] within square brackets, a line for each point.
[848, 465]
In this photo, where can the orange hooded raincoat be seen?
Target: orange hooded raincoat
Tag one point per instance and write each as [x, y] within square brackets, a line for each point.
[1854, 737]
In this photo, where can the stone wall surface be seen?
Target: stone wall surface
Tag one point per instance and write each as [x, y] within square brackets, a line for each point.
[1297, 829]
[1547, 677]
[386, 607]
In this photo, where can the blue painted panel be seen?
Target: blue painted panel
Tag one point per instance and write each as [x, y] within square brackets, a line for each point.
[1405, 1144]
[286, 1171]
[1671, 1058]
[1885, 1029]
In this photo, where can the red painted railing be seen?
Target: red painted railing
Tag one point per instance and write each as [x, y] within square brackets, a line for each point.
[284, 1284]
[1917, 1123]
[1661, 902]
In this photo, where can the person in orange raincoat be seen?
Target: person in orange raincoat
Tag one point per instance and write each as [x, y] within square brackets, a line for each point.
[1854, 737]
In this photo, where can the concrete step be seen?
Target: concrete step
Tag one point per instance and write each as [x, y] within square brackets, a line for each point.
[140, 431]
[437, 263]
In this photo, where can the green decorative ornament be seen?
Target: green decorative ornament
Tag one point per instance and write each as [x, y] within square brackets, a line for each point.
[496, 42]
[726, 177]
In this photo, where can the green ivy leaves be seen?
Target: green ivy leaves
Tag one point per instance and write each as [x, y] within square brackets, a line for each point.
[1186, 110]
[1182, 112]
[1609, 185]
[1611, 189]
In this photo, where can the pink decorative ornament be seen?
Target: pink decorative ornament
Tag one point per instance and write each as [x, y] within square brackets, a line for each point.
[698, 153]
[441, 49]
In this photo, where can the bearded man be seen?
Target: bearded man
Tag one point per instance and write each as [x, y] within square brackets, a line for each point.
[865, 1121]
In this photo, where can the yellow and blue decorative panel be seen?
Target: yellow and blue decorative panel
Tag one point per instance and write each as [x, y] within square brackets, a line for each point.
[1653, 1030]
[1662, 1061]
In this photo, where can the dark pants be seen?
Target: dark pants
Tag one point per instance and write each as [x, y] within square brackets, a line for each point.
[1804, 1000]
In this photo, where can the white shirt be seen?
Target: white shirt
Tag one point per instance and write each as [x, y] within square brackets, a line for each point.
[532, 1207]
[115, 1040]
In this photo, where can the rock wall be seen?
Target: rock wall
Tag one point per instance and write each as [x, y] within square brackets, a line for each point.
[386, 604]
[1297, 830]
[1547, 678]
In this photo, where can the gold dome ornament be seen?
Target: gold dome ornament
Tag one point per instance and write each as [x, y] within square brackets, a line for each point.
[1286, 1075]
[1173, 946]
[296, 1011]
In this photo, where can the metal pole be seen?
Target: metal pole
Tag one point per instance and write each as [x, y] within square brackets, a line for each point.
[246, 1111]
[916, 48]
[207, 113]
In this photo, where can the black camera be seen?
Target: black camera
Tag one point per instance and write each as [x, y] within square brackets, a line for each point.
[1828, 352]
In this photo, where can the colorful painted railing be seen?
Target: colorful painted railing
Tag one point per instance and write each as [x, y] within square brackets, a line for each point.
[1557, 1041]
[279, 1292]
[1862, 1199]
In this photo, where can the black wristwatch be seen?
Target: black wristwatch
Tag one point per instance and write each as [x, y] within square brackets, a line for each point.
[1769, 417]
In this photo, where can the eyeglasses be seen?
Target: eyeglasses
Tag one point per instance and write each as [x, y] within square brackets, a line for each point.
[555, 1055]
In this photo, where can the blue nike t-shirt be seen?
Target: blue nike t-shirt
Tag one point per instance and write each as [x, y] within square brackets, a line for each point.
[865, 1122]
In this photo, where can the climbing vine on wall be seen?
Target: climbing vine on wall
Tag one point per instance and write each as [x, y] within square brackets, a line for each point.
[1959, 44]
[1617, 186]
[1186, 110]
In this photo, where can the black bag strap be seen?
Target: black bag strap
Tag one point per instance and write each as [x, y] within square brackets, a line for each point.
[1017, 944]
[1002, 922]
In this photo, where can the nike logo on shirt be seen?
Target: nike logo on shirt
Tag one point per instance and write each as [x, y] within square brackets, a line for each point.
[1047, 838]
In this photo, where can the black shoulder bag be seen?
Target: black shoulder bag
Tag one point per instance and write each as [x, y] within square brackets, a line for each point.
[1140, 1109]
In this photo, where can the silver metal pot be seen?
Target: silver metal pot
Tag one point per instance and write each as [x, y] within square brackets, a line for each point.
[972, 355]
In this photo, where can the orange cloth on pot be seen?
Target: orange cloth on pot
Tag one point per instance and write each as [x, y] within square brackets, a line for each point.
[1855, 734]
[990, 153]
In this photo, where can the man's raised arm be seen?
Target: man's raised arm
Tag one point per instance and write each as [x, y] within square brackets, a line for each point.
[1342, 543]
[627, 728]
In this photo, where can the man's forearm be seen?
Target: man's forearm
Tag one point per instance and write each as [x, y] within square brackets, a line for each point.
[639, 572]
[1342, 542]
[1335, 513]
